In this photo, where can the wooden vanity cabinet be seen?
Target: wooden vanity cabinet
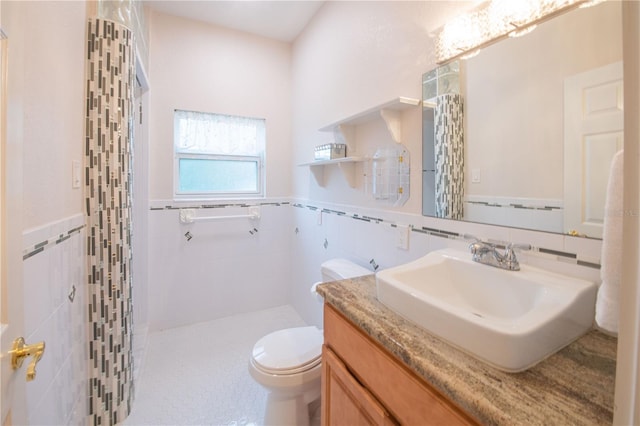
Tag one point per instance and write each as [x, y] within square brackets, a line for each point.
[363, 384]
[347, 401]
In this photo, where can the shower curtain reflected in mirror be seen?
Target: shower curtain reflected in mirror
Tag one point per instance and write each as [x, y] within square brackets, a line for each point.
[449, 156]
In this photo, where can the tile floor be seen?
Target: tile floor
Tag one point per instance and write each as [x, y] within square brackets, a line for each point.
[197, 375]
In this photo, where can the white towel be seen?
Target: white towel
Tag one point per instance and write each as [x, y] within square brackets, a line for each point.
[608, 299]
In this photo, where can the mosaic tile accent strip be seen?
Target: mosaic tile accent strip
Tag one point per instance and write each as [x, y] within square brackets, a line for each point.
[108, 158]
[50, 242]
[413, 227]
[449, 152]
[514, 205]
[219, 206]
[442, 233]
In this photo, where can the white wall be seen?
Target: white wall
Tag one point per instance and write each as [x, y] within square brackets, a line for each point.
[56, 313]
[351, 57]
[54, 109]
[224, 269]
[140, 229]
[337, 235]
[362, 234]
[527, 126]
[200, 67]
[627, 401]
[46, 42]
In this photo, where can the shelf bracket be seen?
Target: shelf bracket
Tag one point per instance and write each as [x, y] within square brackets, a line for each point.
[344, 133]
[318, 174]
[392, 118]
[349, 172]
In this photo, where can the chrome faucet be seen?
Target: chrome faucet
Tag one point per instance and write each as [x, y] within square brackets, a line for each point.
[488, 254]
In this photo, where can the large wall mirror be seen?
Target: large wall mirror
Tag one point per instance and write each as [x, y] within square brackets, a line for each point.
[542, 122]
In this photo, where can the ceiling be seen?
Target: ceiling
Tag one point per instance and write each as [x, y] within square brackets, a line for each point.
[279, 20]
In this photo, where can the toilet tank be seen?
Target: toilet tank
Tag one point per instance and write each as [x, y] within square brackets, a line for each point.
[340, 269]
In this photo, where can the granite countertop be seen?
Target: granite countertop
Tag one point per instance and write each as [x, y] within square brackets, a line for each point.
[574, 386]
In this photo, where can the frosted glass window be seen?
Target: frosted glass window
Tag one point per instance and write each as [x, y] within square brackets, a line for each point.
[203, 175]
[218, 155]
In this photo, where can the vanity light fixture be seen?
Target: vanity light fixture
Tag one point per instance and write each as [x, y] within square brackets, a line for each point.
[494, 20]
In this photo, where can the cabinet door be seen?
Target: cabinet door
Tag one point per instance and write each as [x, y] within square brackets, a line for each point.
[406, 397]
[344, 400]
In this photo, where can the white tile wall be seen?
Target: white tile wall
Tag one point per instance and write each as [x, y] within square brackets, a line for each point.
[223, 270]
[501, 211]
[361, 241]
[59, 393]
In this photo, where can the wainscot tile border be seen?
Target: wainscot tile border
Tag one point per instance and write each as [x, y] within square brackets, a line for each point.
[553, 254]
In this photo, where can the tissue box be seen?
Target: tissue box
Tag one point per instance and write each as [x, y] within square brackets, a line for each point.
[330, 151]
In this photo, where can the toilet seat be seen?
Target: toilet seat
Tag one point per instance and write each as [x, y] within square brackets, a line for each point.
[289, 351]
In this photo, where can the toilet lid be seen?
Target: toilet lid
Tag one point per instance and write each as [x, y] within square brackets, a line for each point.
[289, 350]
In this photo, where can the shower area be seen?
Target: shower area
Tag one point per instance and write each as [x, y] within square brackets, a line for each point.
[443, 143]
[200, 271]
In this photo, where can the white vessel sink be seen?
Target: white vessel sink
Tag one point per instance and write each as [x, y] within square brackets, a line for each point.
[509, 319]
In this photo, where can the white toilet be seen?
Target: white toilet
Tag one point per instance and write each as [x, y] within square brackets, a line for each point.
[287, 362]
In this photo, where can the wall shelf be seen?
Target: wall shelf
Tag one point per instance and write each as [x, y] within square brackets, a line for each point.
[344, 132]
[390, 112]
[346, 166]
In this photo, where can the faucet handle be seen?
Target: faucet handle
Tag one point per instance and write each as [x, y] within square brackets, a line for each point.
[476, 245]
[510, 255]
[512, 246]
[471, 237]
